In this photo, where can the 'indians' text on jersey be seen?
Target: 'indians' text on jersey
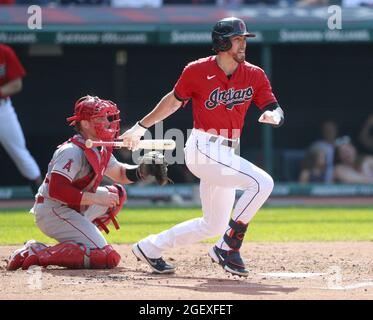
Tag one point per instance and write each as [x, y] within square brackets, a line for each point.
[220, 103]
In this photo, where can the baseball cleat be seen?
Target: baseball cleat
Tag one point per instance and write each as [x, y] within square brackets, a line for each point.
[158, 265]
[230, 260]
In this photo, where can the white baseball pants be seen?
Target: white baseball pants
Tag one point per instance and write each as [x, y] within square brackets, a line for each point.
[221, 172]
[13, 141]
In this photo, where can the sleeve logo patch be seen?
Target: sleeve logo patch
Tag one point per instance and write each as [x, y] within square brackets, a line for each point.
[68, 164]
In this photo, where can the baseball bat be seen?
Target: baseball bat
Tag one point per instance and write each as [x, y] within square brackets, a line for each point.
[155, 144]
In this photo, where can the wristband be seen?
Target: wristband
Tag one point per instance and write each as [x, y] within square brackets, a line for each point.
[141, 125]
[137, 130]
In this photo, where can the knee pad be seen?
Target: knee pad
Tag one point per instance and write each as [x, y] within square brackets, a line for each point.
[102, 221]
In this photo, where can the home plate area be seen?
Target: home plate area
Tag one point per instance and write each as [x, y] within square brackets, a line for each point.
[292, 270]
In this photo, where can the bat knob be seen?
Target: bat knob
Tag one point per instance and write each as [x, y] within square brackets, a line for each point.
[89, 143]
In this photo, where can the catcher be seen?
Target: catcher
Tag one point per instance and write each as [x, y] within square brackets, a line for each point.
[71, 206]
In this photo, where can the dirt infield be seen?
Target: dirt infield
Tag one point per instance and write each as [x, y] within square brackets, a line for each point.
[332, 270]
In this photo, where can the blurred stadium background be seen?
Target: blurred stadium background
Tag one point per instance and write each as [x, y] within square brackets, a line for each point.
[132, 52]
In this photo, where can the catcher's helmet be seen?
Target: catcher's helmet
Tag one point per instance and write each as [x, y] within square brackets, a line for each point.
[226, 28]
[89, 107]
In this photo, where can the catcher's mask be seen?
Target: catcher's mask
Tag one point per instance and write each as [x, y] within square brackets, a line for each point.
[226, 28]
[89, 108]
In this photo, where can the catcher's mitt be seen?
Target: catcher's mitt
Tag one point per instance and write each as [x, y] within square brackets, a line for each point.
[154, 164]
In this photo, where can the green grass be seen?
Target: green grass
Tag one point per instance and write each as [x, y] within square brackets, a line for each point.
[270, 224]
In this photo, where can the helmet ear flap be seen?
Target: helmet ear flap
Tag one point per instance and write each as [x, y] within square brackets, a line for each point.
[226, 44]
[221, 43]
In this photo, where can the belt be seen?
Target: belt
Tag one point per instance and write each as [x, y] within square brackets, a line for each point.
[39, 199]
[226, 142]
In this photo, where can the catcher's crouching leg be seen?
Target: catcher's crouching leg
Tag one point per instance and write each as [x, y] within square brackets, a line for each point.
[74, 256]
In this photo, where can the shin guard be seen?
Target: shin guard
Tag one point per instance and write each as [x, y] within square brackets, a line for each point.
[74, 256]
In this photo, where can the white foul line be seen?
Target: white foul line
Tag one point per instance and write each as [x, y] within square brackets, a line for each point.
[291, 274]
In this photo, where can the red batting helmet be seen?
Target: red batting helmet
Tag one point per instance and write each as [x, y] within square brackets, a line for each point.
[89, 107]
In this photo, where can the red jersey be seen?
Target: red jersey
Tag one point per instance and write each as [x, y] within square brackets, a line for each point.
[220, 103]
[10, 67]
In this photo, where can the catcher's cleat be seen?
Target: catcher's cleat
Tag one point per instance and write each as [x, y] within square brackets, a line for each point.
[158, 265]
[18, 257]
[230, 260]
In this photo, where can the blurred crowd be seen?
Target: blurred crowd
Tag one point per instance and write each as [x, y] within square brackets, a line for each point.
[338, 159]
[159, 3]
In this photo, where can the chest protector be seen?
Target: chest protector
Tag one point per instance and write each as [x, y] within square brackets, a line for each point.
[98, 162]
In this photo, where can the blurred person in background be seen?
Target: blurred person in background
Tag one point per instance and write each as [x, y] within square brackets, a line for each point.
[7, 2]
[349, 166]
[329, 133]
[11, 135]
[314, 166]
[366, 135]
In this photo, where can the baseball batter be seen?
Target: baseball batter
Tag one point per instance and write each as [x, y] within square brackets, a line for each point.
[11, 135]
[221, 88]
[71, 206]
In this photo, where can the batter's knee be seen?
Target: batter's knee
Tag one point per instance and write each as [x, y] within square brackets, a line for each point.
[267, 184]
